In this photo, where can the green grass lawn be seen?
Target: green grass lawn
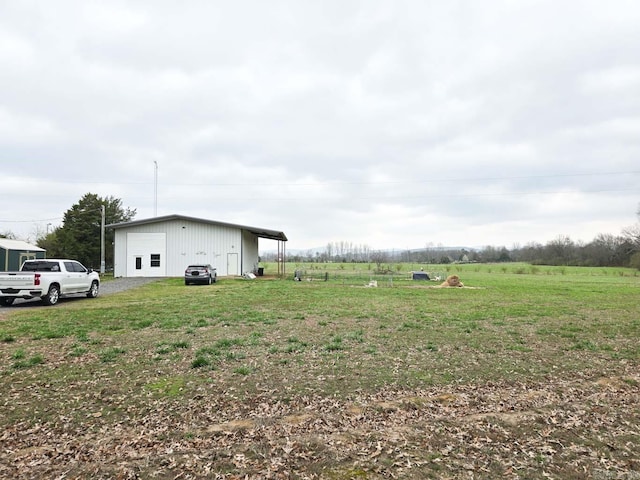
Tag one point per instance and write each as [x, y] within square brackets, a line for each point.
[532, 371]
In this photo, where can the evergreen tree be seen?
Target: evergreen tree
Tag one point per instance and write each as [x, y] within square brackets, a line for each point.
[79, 237]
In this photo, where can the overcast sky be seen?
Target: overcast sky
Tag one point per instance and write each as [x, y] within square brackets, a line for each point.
[391, 124]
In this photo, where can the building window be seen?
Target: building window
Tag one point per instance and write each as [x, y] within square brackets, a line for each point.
[155, 260]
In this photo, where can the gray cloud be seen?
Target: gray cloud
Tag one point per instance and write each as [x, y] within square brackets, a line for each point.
[387, 124]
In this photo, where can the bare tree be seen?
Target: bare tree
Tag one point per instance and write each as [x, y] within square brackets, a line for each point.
[632, 233]
[379, 258]
[329, 250]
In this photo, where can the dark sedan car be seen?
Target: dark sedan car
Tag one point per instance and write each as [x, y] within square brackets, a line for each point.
[205, 274]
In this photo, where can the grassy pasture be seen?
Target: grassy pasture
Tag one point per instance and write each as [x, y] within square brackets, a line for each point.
[530, 373]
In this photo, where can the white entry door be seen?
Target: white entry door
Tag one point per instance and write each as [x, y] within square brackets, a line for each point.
[232, 264]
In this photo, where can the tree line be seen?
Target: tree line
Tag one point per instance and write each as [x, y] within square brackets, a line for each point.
[605, 250]
[79, 237]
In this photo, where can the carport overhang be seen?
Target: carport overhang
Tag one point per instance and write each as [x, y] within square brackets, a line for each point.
[258, 231]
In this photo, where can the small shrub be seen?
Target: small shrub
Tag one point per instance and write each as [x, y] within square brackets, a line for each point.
[145, 323]
[110, 354]
[409, 326]
[585, 345]
[200, 362]
[226, 343]
[229, 356]
[357, 336]
[244, 370]
[19, 354]
[334, 345]
[210, 351]
[83, 337]
[163, 349]
[77, 351]
[169, 387]
[31, 362]
[431, 347]
[293, 348]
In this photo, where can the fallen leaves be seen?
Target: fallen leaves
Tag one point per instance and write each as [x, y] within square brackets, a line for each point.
[563, 428]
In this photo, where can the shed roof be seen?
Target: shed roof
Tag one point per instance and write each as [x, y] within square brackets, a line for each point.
[260, 232]
[9, 244]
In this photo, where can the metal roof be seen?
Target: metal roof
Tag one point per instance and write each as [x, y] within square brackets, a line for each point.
[260, 232]
[9, 244]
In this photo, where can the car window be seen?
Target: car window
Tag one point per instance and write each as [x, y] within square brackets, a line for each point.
[40, 267]
[78, 267]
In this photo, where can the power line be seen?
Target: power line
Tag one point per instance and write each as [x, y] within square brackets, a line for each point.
[398, 197]
[403, 182]
[31, 221]
[433, 180]
[382, 196]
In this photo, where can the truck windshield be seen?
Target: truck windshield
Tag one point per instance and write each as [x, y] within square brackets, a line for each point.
[41, 267]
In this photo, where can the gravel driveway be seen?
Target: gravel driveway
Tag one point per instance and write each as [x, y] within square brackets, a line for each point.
[123, 283]
[106, 288]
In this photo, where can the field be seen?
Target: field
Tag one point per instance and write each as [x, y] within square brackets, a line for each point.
[527, 372]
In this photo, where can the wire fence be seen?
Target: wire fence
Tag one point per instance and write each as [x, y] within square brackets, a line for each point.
[367, 277]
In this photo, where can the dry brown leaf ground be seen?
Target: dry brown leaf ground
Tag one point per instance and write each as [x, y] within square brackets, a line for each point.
[541, 430]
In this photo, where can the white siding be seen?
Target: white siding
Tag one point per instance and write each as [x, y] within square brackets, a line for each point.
[190, 242]
[140, 248]
[249, 252]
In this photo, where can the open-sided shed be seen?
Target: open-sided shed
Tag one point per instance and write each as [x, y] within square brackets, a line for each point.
[13, 253]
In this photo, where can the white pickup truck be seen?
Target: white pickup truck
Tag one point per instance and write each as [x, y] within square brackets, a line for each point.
[48, 279]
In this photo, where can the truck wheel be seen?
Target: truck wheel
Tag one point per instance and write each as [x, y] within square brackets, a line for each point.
[52, 297]
[5, 302]
[93, 291]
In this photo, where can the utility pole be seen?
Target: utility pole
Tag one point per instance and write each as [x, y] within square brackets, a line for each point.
[155, 190]
[102, 266]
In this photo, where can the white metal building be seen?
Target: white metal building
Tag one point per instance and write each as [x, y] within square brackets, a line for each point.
[164, 246]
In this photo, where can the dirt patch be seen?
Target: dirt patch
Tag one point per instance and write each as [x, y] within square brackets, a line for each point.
[564, 428]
